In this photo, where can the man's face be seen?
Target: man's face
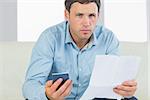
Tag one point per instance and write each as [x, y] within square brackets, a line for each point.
[82, 19]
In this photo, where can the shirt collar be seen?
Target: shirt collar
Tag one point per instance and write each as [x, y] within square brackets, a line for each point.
[94, 37]
[69, 39]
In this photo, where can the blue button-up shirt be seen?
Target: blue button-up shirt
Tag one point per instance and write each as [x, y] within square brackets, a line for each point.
[55, 51]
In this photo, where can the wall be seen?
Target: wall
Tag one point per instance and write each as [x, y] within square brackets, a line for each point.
[149, 70]
[8, 20]
[148, 10]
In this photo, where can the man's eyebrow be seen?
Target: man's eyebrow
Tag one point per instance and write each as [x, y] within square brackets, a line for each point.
[79, 13]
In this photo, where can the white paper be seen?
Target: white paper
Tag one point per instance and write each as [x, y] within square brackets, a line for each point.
[108, 72]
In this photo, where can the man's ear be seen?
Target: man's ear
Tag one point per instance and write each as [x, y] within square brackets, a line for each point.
[66, 14]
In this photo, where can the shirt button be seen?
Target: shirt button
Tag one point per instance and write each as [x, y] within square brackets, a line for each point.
[79, 69]
[79, 84]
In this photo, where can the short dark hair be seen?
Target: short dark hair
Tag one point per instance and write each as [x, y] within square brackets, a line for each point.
[68, 3]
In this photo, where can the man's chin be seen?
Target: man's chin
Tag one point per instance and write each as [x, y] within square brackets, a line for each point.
[86, 37]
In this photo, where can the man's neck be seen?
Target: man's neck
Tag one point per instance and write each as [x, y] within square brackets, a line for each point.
[81, 43]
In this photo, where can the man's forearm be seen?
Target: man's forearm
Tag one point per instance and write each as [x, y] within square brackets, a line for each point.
[32, 90]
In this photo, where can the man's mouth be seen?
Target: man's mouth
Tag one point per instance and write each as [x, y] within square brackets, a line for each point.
[85, 30]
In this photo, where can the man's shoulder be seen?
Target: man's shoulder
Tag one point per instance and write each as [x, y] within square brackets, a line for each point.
[55, 28]
[101, 30]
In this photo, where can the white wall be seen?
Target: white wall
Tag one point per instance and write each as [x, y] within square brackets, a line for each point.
[149, 70]
[8, 20]
[15, 58]
[148, 10]
[121, 15]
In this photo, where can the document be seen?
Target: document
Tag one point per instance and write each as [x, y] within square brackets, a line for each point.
[108, 72]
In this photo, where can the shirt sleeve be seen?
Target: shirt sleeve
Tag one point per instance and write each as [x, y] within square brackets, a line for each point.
[112, 45]
[39, 68]
[130, 98]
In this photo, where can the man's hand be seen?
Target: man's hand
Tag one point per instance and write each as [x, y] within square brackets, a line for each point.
[51, 89]
[126, 89]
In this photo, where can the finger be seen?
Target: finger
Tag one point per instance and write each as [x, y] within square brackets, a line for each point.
[123, 93]
[55, 85]
[49, 83]
[63, 88]
[67, 91]
[127, 88]
[130, 83]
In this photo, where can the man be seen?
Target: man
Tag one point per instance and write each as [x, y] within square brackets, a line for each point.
[71, 46]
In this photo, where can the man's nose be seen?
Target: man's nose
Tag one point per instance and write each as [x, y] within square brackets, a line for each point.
[86, 21]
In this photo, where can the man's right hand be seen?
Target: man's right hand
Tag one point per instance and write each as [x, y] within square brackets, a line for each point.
[53, 93]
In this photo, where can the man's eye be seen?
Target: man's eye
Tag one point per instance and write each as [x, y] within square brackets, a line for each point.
[92, 15]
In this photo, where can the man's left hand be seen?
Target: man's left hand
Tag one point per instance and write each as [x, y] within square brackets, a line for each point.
[126, 89]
